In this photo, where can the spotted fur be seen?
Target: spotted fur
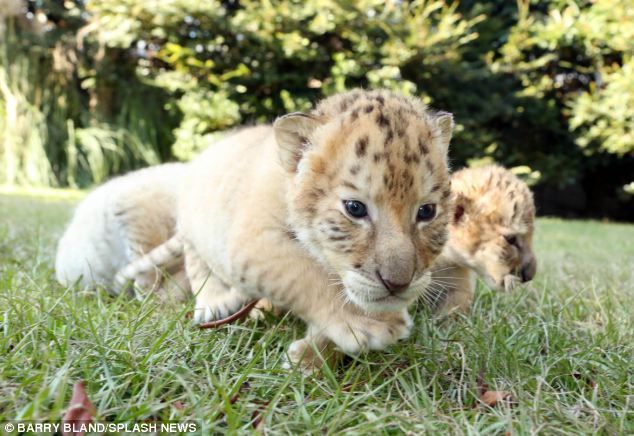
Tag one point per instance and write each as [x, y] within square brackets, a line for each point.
[490, 235]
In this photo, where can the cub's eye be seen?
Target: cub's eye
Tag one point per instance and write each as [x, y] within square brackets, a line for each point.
[511, 239]
[426, 212]
[355, 208]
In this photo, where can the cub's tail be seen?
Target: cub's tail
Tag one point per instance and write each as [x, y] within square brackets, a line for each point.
[163, 257]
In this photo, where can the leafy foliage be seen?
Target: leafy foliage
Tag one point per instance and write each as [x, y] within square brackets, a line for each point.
[543, 86]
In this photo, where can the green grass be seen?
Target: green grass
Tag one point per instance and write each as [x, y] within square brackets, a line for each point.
[563, 346]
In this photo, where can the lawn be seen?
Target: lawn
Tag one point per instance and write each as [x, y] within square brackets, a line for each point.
[563, 347]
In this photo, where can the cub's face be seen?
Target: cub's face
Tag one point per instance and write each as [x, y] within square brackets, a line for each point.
[492, 226]
[370, 196]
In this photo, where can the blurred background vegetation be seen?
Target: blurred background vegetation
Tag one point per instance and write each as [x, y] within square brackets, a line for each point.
[93, 88]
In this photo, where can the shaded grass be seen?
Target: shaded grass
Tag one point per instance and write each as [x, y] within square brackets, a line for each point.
[562, 346]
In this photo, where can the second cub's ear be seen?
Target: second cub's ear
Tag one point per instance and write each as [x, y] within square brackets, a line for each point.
[443, 130]
[460, 208]
[292, 132]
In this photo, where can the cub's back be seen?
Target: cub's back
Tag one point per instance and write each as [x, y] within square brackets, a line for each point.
[219, 180]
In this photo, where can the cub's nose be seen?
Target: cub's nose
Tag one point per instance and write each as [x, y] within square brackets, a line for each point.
[527, 272]
[392, 287]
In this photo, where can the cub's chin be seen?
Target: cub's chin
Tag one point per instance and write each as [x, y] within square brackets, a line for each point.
[373, 297]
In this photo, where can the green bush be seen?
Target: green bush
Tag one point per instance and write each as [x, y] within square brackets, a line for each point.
[542, 86]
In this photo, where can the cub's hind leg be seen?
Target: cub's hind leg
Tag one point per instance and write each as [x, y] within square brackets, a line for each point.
[146, 272]
[215, 299]
[142, 230]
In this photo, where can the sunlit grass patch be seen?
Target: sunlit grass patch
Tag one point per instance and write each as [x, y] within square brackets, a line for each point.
[561, 347]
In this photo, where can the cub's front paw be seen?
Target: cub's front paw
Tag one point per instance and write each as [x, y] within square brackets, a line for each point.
[218, 305]
[372, 332]
[261, 308]
[511, 282]
[310, 353]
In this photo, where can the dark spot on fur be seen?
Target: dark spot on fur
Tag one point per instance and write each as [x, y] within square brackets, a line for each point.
[344, 104]
[369, 108]
[355, 114]
[377, 157]
[354, 170]
[362, 145]
[382, 121]
[338, 238]
[406, 177]
[349, 185]
[290, 234]
[389, 136]
[422, 147]
[429, 165]
[316, 193]
[406, 144]
[357, 265]
[411, 158]
[446, 193]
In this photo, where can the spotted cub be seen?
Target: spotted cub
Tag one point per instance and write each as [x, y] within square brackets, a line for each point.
[336, 215]
[490, 234]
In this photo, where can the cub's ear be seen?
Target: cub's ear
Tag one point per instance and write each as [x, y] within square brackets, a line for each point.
[292, 132]
[461, 206]
[442, 130]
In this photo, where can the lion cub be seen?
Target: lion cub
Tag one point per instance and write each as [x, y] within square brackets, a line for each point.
[336, 215]
[490, 234]
[120, 222]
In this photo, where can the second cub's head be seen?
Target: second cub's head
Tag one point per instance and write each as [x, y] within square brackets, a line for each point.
[369, 195]
[491, 230]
